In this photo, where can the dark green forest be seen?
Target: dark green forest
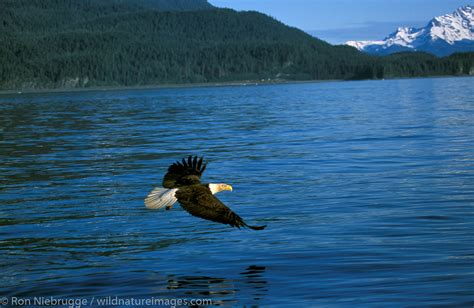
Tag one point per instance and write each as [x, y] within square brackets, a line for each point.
[87, 43]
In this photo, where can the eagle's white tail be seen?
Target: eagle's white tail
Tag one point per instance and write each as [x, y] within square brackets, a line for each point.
[160, 197]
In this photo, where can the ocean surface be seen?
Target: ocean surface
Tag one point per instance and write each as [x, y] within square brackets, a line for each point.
[366, 188]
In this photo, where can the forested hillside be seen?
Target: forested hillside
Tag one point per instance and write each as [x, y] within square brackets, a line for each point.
[86, 43]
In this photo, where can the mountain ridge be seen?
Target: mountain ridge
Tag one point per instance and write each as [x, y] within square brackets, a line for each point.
[87, 44]
[442, 36]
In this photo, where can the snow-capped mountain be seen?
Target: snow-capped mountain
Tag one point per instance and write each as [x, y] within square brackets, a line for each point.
[442, 36]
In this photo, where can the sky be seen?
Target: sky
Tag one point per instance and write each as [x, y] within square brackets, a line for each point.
[338, 21]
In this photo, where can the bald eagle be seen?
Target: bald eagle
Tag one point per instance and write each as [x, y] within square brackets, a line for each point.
[182, 183]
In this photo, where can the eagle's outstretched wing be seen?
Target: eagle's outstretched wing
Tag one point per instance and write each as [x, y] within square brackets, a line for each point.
[186, 172]
[200, 202]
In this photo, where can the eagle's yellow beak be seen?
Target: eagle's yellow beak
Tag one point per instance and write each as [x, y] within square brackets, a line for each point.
[226, 187]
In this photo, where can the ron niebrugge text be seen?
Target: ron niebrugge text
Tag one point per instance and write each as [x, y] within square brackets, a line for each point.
[102, 301]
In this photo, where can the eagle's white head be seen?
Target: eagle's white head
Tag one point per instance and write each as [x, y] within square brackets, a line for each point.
[215, 188]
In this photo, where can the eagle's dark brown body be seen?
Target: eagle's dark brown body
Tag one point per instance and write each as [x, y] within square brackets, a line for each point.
[183, 179]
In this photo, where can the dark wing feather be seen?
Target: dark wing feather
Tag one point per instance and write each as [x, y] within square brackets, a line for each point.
[199, 201]
[186, 172]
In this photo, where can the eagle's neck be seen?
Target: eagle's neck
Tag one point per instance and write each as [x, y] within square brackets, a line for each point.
[214, 188]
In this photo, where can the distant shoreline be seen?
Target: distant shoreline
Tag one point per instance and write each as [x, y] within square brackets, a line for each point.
[200, 85]
[165, 86]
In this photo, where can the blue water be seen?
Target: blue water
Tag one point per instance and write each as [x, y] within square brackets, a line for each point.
[367, 189]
